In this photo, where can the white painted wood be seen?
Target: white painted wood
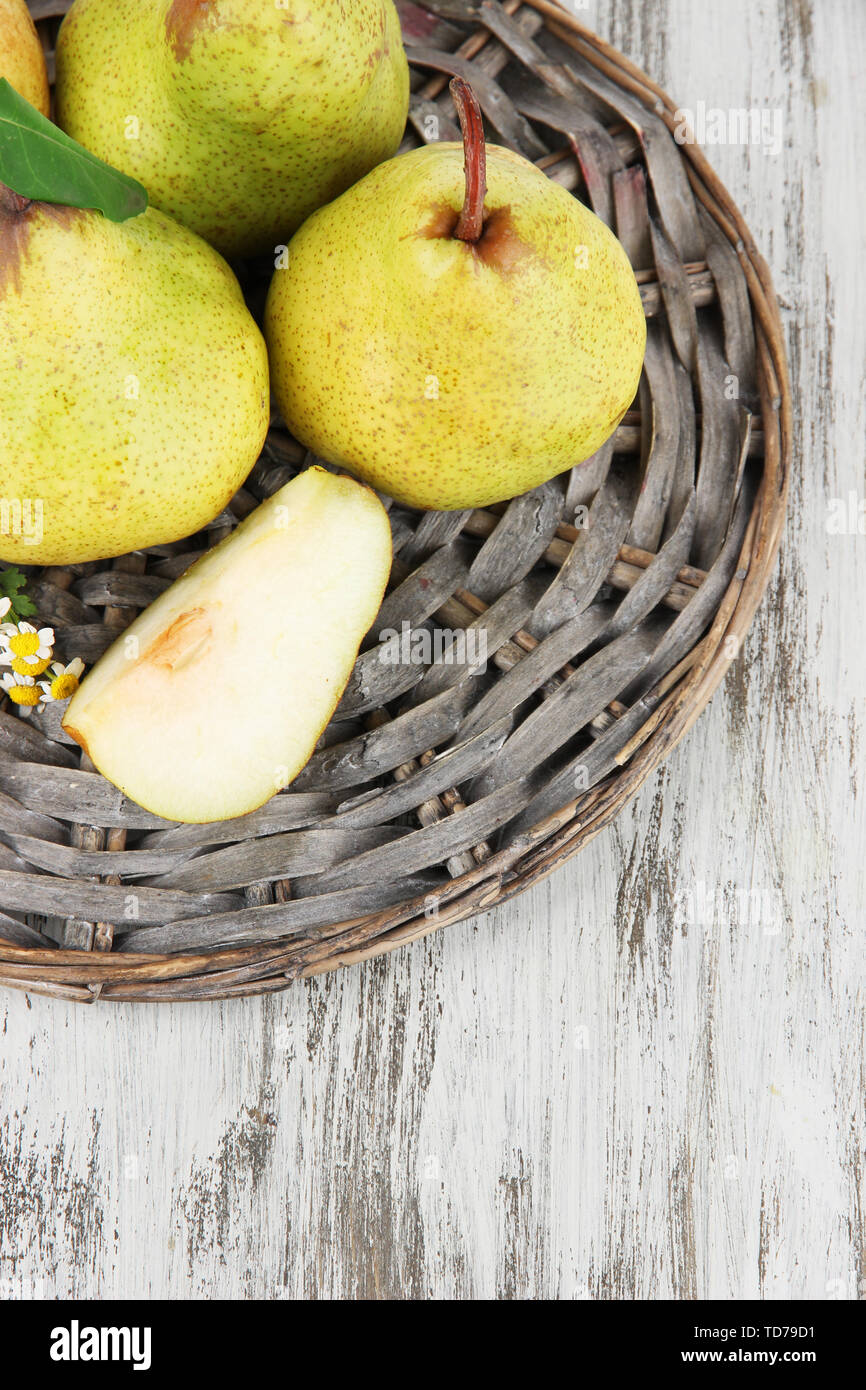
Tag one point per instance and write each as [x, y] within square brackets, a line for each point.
[642, 1079]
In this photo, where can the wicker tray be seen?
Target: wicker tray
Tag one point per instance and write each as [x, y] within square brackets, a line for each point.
[438, 792]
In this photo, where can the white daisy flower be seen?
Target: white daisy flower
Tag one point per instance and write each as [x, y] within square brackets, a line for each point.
[64, 680]
[30, 645]
[22, 691]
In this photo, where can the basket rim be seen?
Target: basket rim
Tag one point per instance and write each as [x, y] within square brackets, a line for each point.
[538, 852]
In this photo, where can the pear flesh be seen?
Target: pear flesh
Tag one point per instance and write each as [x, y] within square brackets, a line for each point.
[454, 374]
[22, 61]
[240, 117]
[216, 695]
[133, 378]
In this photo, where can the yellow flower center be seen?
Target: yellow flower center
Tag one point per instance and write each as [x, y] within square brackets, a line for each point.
[24, 643]
[25, 694]
[63, 687]
[29, 668]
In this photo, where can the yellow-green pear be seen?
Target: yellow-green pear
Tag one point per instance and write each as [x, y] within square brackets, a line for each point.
[240, 117]
[449, 348]
[22, 61]
[216, 695]
[133, 383]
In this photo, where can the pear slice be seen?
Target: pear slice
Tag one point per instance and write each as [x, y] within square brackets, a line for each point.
[216, 695]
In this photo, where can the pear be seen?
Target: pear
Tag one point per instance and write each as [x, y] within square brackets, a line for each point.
[134, 383]
[22, 61]
[216, 695]
[453, 349]
[240, 117]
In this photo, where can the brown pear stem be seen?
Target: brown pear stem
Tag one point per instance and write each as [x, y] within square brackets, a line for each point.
[13, 202]
[471, 222]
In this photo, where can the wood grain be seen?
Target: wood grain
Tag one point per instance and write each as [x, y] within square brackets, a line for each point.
[642, 1079]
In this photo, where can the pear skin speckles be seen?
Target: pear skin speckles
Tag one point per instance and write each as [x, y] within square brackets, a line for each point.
[134, 385]
[17, 216]
[184, 20]
[240, 117]
[22, 61]
[454, 375]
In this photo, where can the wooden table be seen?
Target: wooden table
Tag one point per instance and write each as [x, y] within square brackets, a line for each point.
[643, 1079]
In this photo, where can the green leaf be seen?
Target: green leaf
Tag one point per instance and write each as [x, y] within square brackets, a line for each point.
[12, 581]
[39, 161]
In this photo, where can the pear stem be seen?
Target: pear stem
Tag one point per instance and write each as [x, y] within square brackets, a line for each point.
[471, 221]
[13, 202]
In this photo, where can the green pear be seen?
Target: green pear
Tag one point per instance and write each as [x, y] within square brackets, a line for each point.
[216, 695]
[240, 117]
[450, 349]
[134, 383]
[22, 61]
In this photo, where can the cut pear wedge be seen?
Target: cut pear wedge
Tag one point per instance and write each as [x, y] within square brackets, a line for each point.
[216, 696]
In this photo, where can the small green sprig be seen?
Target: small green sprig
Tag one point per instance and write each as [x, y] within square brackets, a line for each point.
[12, 584]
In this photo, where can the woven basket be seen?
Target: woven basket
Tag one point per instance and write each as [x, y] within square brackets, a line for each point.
[612, 600]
